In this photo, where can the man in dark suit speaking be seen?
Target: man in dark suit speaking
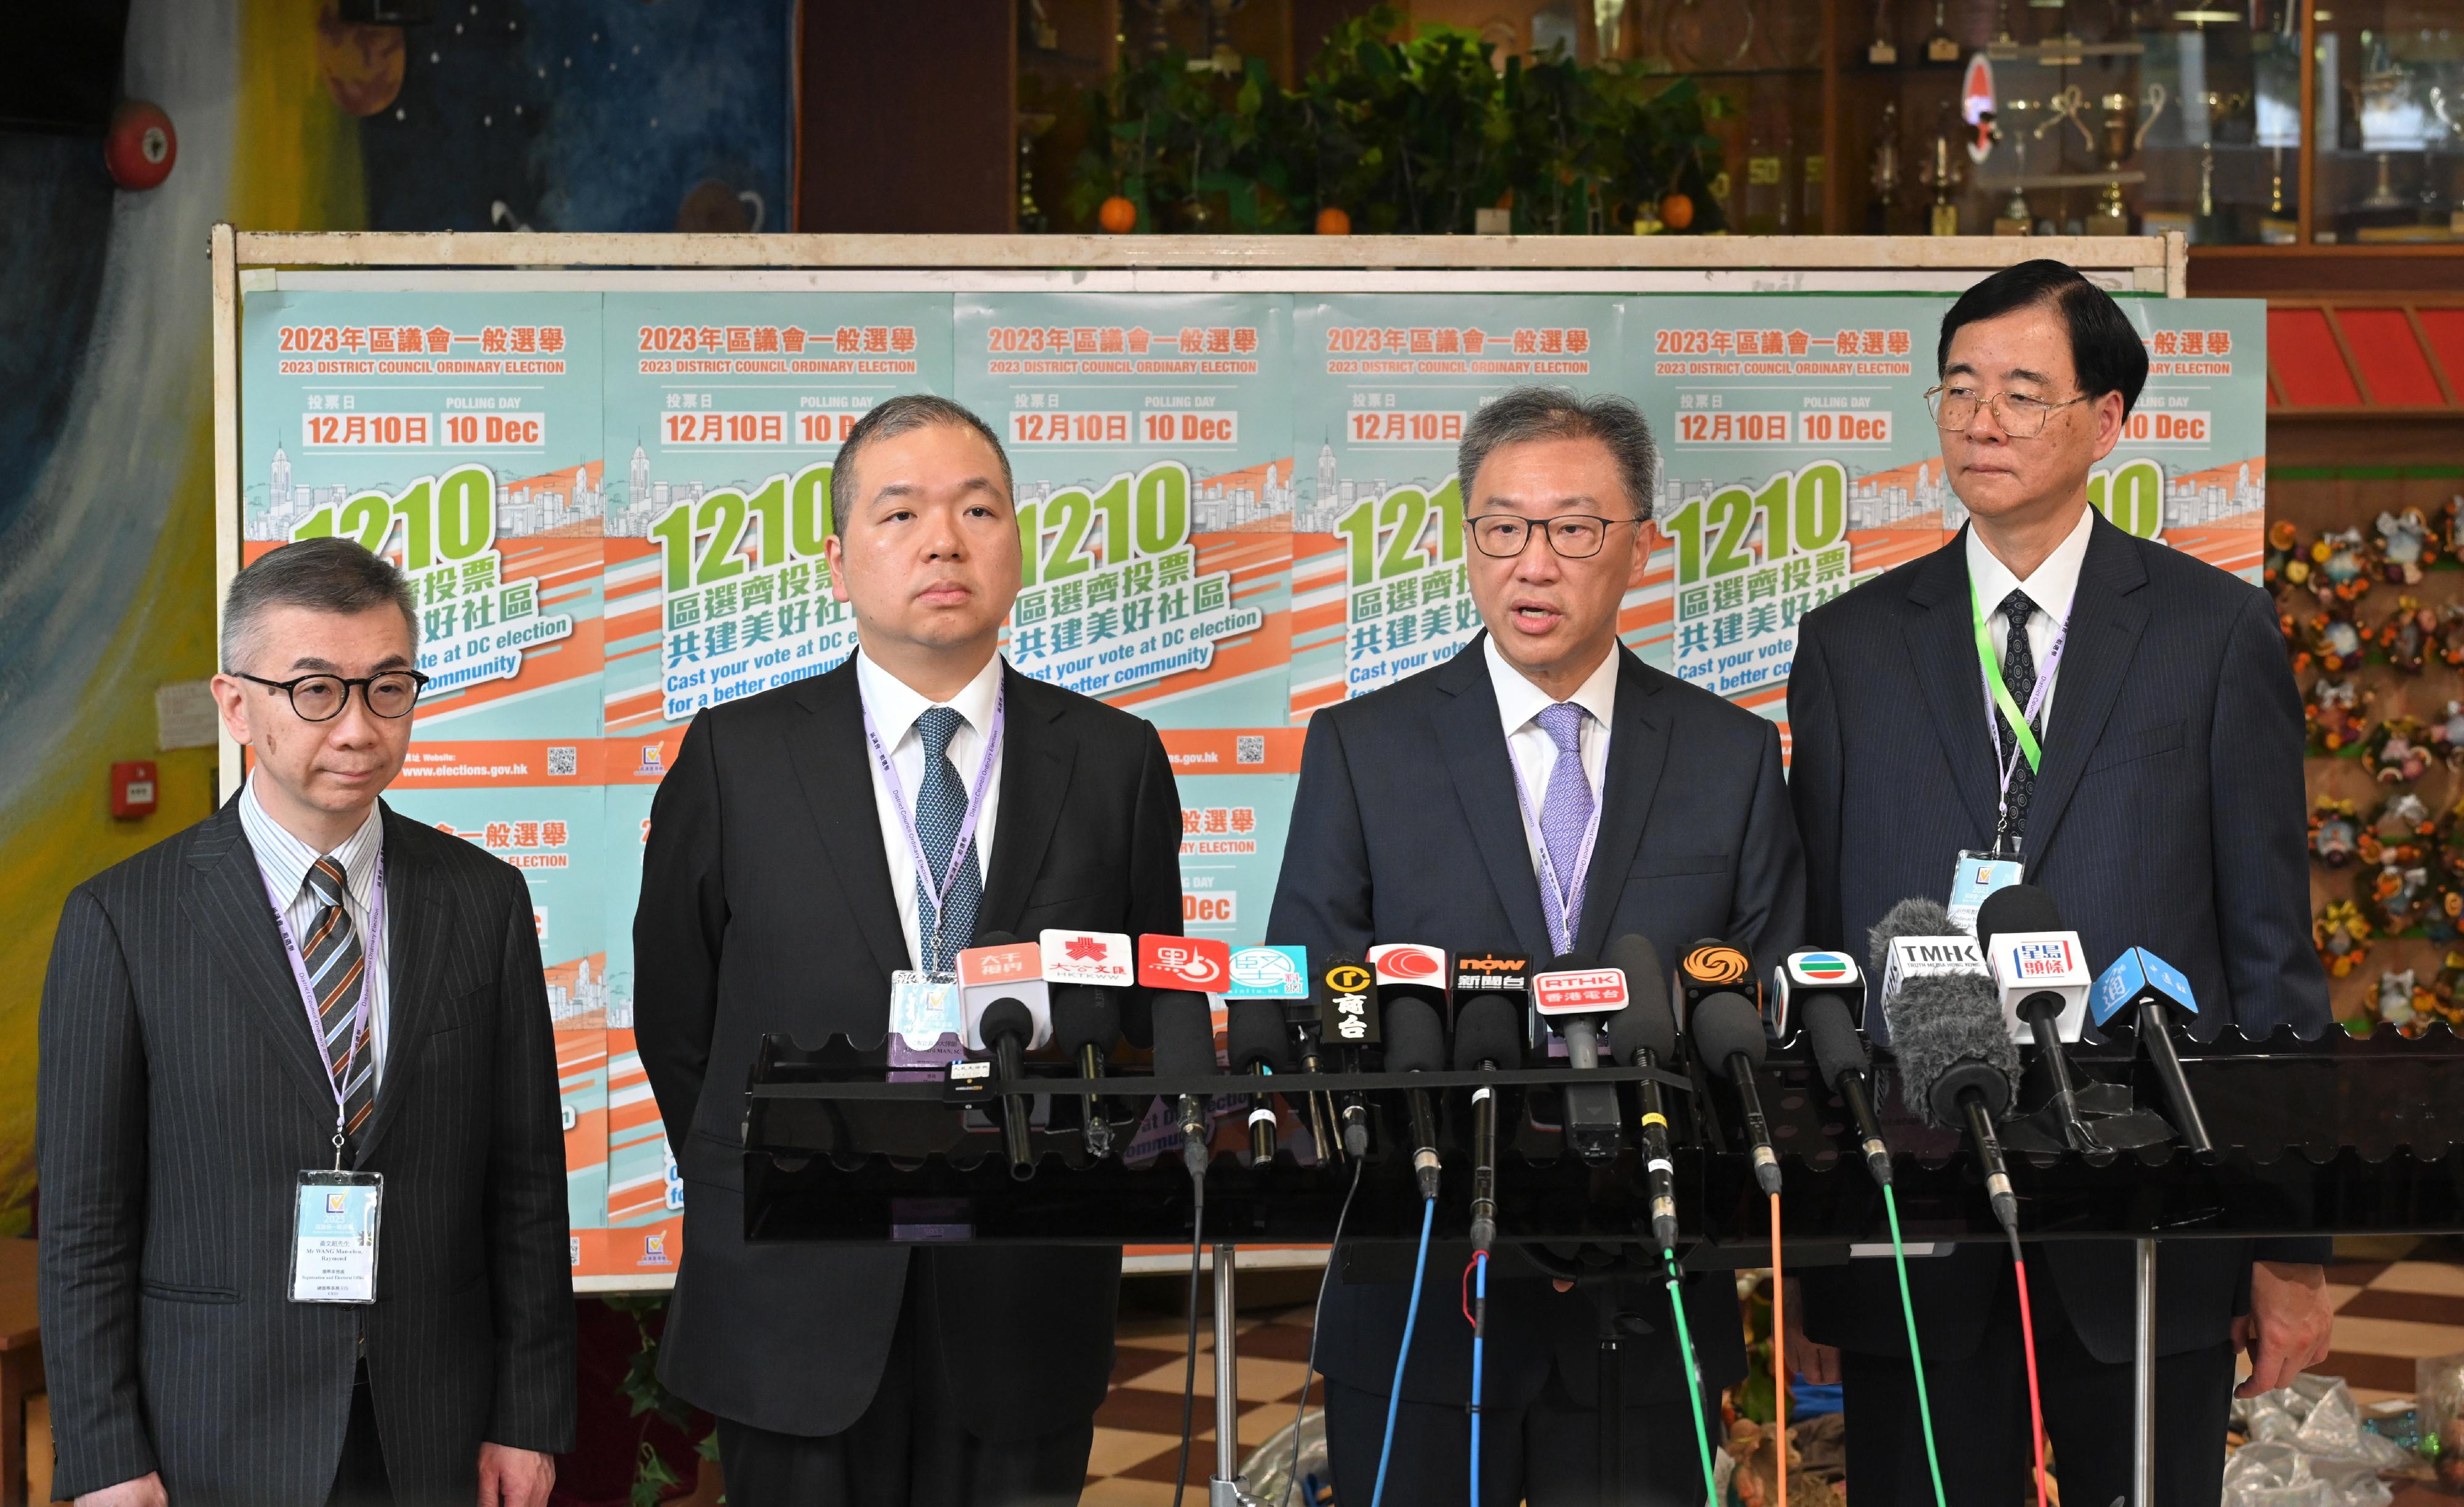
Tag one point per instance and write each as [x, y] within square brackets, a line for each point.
[1409, 827]
[811, 842]
[303, 1234]
[2119, 721]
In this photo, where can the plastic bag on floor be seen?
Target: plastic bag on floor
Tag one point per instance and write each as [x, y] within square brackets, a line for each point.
[2318, 1417]
[2278, 1475]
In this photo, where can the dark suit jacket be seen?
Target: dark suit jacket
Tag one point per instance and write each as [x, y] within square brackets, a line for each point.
[766, 906]
[181, 1092]
[2169, 813]
[1406, 828]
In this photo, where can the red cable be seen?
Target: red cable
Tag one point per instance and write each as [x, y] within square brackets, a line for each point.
[1779, 1357]
[1466, 1290]
[2028, 1343]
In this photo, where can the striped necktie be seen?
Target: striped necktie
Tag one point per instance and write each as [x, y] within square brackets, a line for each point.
[941, 811]
[338, 972]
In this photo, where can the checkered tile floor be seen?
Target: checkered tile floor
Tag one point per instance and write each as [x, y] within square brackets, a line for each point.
[1137, 1431]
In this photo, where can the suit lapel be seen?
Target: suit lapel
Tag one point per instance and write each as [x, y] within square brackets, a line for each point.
[414, 940]
[1637, 753]
[2106, 622]
[1941, 632]
[225, 897]
[1036, 763]
[833, 767]
[1474, 748]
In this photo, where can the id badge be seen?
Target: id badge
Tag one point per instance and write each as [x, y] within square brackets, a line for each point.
[924, 1019]
[1977, 876]
[334, 1237]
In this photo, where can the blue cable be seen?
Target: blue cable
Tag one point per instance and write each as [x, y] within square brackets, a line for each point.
[1478, 1340]
[1411, 1315]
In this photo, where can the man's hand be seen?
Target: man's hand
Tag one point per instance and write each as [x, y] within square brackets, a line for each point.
[146, 1491]
[2289, 1326]
[1817, 1364]
[511, 1477]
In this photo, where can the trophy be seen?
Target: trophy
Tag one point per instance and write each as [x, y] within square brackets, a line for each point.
[2221, 107]
[2125, 127]
[1943, 175]
[1885, 172]
[1880, 52]
[1941, 47]
[2016, 218]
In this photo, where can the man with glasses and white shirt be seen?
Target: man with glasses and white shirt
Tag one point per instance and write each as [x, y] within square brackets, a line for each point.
[1543, 792]
[303, 1226]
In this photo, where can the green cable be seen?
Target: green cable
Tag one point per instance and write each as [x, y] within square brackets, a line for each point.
[1916, 1358]
[1693, 1385]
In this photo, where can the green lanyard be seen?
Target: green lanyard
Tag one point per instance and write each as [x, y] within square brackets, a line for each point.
[1999, 691]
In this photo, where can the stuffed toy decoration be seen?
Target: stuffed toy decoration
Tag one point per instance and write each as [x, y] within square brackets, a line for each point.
[2405, 546]
[2343, 572]
[2406, 637]
[2442, 990]
[2329, 639]
[2398, 752]
[2395, 1000]
[2452, 519]
[2443, 917]
[2447, 733]
[2396, 899]
[2451, 634]
[2334, 712]
[2286, 564]
[2400, 831]
[2341, 937]
[2335, 831]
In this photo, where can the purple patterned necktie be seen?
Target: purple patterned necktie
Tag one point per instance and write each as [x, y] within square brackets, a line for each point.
[1565, 816]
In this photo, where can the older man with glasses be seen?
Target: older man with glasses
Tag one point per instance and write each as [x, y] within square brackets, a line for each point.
[1575, 795]
[303, 1234]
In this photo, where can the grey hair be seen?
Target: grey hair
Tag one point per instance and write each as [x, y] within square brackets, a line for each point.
[904, 414]
[326, 575]
[1561, 413]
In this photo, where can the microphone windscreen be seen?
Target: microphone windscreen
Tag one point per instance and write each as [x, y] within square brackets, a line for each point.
[1184, 1035]
[1085, 1016]
[1726, 1025]
[2017, 908]
[1255, 1032]
[1007, 1018]
[1645, 1021]
[1917, 917]
[1947, 1033]
[1414, 1041]
[1487, 1030]
[1832, 1033]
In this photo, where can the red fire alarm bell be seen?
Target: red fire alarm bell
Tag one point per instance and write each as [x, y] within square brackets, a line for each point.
[132, 790]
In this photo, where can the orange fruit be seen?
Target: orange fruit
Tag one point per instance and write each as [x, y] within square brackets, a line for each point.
[1332, 221]
[1677, 212]
[1117, 215]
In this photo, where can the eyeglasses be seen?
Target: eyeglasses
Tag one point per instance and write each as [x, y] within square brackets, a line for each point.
[2021, 417]
[1573, 536]
[322, 698]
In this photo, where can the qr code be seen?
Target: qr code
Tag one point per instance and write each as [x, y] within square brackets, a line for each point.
[1250, 747]
[565, 760]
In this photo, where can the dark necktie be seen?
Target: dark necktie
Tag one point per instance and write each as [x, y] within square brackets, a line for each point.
[2019, 678]
[941, 811]
[338, 972]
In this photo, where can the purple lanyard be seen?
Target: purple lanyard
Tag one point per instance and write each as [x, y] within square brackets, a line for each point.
[941, 892]
[368, 953]
[1570, 901]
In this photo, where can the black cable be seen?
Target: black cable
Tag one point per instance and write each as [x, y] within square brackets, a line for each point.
[1189, 1377]
[1300, 1409]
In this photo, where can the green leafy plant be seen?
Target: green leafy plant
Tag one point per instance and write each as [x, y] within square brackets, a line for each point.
[652, 1476]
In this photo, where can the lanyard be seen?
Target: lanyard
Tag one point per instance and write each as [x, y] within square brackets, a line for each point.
[1998, 694]
[1570, 899]
[939, 892]
[369, 953]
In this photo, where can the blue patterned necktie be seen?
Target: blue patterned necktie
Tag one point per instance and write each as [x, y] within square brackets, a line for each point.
[1565, 816]
[338, 972]
[941, 811]
[2019, 678]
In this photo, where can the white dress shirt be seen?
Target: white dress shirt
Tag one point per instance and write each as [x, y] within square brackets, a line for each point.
[1519, 705]
[896, 706]
[285, 861]
[2051, 587]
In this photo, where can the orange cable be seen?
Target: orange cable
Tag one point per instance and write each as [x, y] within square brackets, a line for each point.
[1779, 1359]
[2028, 1341]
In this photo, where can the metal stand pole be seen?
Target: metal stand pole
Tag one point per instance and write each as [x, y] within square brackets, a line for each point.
[2142, 1380]
[1612, 1403]
[1229, 1488]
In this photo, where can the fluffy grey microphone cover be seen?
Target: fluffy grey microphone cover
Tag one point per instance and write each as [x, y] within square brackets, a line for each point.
[1917, 917]
[1941, 1024]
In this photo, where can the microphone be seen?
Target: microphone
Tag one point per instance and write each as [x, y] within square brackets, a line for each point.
[1416, 1043]
[1644, 1034]
[1002, 967]
[1841, 1060]
[1006, 1025]
[1958, 1063]
[1806, 974]
[1184, 1047]
[1574, 994]
[2155, 990]
[1485, 1041]
[1730, 1038]
[2040, 979]
[1353, 1018]
[1916, 939]
[1086, 1022]
[1710, 967]
[1255, 1035]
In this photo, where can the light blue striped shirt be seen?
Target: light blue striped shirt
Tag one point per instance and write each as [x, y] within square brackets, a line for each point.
[285, 861]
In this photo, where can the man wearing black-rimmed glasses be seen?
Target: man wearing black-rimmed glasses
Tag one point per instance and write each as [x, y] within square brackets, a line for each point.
[1543, 792]
[303, 1234]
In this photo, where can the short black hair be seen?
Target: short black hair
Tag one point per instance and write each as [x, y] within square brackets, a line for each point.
[2105, 349]
[894, 417]
[331, 574]
[1561, 413]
